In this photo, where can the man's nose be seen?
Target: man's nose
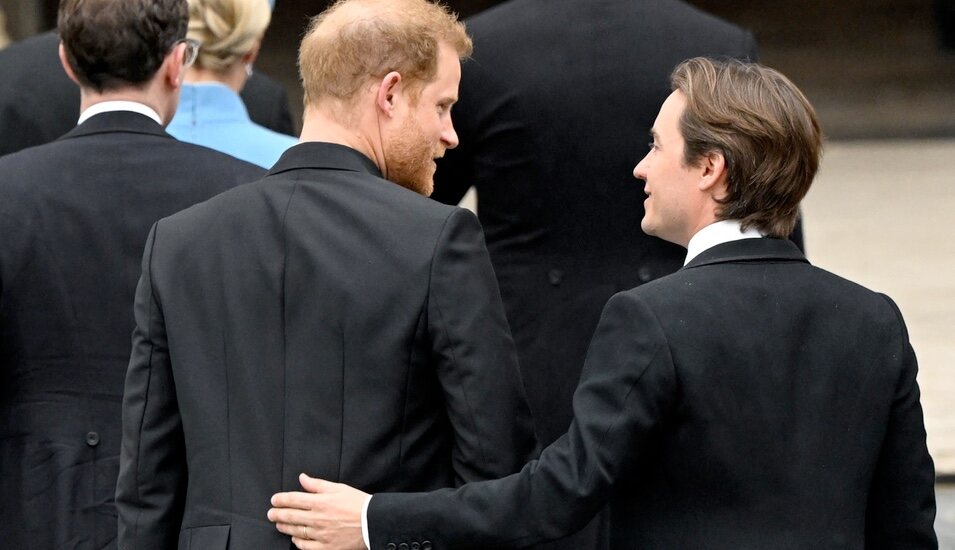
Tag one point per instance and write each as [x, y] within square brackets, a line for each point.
[640, 170]
[448, 136]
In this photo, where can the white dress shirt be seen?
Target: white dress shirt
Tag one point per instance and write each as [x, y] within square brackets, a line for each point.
[716, 233]
[109, 106]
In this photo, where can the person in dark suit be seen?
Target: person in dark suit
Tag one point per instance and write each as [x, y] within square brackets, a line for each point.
[74, 215]
[329, 318]
[39, 102]
[542, 142]
[750, 400]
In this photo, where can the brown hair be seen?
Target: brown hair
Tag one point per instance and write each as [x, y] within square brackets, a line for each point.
[354, 41]
[766, 131]
[227, 29]
[115, 43]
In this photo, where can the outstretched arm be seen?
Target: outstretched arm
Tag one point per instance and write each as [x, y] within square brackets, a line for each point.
[627, 388]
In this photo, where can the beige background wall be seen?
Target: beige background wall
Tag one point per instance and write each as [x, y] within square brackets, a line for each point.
[881, 213]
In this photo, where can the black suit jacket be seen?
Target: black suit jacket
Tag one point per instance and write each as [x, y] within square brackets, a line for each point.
[748, 401]
[323, 320]
[555, 111]
[39, 103]
[74, 215]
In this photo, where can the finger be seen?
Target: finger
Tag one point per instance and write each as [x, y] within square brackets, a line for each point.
[289, 529]
[293, 499]
[303, 544]
[290, 515]
[315, 485]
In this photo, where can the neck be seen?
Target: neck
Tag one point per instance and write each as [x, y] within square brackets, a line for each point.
[321, 124]
[88, 98]
[234, 76]
[147, 95]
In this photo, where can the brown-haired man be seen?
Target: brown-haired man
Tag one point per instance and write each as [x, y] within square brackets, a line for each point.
[74, 215]
[750, 400]
[324, 319]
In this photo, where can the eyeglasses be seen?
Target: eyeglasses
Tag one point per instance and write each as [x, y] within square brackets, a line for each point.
[192, 51]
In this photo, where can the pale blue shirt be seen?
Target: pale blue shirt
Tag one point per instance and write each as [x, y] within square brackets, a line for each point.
[213, 115]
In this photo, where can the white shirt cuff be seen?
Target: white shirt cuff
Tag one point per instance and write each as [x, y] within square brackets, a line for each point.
[364, 523]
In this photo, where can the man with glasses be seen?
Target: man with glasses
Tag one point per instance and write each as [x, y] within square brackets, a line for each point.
[39, 103]
[74, 215]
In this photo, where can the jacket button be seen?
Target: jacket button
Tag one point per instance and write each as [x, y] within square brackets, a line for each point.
[555, 276]
[392, 546]
[415, 546]
[92, 439]
[403, 546]
[426, 545]
[645, 274]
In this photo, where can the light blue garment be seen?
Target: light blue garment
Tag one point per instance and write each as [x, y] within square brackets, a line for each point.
[213, 115]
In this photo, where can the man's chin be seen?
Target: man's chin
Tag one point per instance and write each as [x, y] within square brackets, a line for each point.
[426, 187]
[421, 186]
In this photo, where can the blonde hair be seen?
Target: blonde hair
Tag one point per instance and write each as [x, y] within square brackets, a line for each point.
[355, 41]
[226, 29]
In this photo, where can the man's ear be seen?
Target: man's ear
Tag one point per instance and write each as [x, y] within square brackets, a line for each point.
[388, 89]
[714, 175]
[66, 65]
[172, 70]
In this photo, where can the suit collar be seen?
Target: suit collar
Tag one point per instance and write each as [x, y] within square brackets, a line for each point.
[117, 121]
[749, 250]
[321, 155]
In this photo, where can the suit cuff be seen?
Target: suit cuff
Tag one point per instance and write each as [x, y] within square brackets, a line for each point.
[364, 523]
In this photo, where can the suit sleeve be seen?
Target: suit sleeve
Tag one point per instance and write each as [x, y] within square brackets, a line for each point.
[475, 357]
[150, 492]
[627, 389]
[901, 508]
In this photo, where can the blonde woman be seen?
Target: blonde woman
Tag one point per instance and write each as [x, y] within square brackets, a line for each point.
[211, 113]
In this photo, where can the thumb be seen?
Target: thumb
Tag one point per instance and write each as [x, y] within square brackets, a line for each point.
[313, 484]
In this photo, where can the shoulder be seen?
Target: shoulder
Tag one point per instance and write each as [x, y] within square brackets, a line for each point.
[32, 164]
[216, 217]
[210, 160]
[23, 57]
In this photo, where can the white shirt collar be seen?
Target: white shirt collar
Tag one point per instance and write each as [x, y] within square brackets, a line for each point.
[108, 106]
[716, 233]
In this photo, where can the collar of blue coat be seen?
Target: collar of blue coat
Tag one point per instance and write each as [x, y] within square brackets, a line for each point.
[201, 102]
